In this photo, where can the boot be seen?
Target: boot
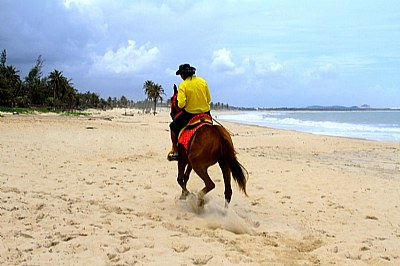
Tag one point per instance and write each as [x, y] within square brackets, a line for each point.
[173, 153]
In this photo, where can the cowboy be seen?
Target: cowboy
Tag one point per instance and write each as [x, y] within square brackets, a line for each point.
[193, 98]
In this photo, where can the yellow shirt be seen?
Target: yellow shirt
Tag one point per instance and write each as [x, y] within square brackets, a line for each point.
[194, 96]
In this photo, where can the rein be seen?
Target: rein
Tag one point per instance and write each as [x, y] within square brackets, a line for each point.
[216, 121]
[175, 110]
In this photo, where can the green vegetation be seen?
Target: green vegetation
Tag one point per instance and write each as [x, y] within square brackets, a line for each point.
[56, 93]
[40, 93]
[18, 110]
[75, 114]
[153, 92]
[22, 110]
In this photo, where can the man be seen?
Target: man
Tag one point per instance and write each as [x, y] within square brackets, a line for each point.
[193, 97]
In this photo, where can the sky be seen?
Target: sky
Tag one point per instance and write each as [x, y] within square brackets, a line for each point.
[254, 53]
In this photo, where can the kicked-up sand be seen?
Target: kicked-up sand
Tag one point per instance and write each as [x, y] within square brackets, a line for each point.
[97, 190]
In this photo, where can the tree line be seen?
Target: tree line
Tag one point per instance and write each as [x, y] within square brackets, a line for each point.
[57, 93]
[54, 91]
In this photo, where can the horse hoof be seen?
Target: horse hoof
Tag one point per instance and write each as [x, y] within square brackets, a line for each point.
[184, 195]
[226, 204]
[201, 203]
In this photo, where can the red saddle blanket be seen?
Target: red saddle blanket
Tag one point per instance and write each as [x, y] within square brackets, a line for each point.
[186, 134]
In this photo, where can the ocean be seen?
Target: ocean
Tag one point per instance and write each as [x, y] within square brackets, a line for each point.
[373, 125]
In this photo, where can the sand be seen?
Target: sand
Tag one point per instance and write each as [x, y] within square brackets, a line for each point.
[97, 190]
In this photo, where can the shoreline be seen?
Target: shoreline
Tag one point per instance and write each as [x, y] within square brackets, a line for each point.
[98, 190]
[354, 130]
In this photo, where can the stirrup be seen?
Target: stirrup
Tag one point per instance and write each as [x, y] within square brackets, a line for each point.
[174, 156]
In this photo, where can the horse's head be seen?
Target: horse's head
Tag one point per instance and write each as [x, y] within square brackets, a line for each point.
[175, 110]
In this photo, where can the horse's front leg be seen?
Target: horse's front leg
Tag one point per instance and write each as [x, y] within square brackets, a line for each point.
[183, 177]
[185, 191]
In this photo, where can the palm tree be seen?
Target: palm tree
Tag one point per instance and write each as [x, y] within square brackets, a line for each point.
[153, 92]
[70, 97]
[10, 84]
[63, 91]
[36, 85]
[109, 103]
[124, 102]
[55, 82]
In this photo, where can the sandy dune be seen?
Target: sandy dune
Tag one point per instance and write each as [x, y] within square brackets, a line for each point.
[98, 190]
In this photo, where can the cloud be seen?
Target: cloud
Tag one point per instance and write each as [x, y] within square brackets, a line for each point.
[79, 3]
[222, 61]
[282, 49]
[325, 71]
[127, 59]
[267, 68]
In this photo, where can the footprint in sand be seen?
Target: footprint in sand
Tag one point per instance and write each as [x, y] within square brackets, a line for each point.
[179, 247]
[202, 260]
[113, 257]
[122, 248]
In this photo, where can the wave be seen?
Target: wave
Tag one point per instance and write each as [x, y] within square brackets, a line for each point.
[324, 123]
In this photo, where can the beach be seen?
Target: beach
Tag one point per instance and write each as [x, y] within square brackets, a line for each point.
[98, 190]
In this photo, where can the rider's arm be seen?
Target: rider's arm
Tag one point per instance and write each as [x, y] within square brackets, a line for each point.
[181, 96]
[208, 94]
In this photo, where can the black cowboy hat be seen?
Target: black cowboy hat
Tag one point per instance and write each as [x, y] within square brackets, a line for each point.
[186, 69]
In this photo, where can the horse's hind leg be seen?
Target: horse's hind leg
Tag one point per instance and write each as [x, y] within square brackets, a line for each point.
[226, 172]
[183, 177]
[207, 181]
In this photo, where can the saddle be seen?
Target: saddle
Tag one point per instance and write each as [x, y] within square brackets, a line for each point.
[187, 133]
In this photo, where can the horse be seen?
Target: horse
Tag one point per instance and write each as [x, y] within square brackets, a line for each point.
[210, 144]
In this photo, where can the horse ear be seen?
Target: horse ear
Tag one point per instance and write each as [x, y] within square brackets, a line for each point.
[175, 89]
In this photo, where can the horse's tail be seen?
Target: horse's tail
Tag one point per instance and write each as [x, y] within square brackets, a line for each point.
[239, 173]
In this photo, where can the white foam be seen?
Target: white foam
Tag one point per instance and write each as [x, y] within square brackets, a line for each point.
[375, 130]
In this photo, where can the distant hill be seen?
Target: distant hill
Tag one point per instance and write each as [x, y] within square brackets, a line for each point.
[333, 107]
[344, 108]
[364, 107]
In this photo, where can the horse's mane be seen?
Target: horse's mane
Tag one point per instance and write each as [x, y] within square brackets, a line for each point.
[175, 110]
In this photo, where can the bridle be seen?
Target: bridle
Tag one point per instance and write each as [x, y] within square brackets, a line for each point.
[175, 110]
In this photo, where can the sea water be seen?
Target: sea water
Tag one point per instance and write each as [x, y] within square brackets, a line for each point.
[373, 125]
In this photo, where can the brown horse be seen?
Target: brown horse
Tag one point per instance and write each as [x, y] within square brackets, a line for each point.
[209, 145]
